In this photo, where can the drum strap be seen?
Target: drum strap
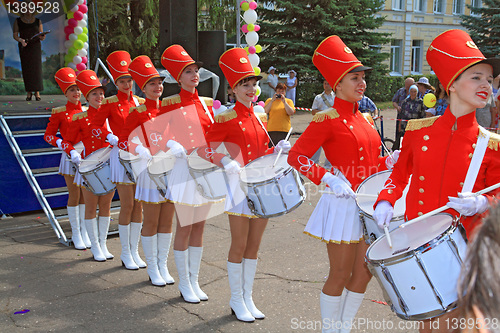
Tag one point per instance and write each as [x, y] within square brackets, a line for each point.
[206, 110]
[325, 100]
[145, 136]
[136, 101]
[477, 159]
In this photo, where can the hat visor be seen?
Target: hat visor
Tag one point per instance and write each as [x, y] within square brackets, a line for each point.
[257, 77]
[428, 86]
[126, 76]
[360, 69]
[494, 62]
[91, 90]
[71, 85]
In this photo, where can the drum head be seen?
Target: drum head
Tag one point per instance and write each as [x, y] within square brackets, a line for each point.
[262, 168]
[161, 163]
[93, 160]
[372, 187]
[197, 163]
[127, 156]
[410, 238]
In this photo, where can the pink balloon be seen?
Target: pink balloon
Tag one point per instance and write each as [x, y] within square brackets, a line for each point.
[251, 49]
[217, 104]
[72, 22]
[261, 103]
[84, 60]
[244, 28]
[83, 9]
[69, 30]
[256, 27]
[243, 2]
[255, 98]
[81, 66]
[253, 5]
[67, 36]
[78, 15]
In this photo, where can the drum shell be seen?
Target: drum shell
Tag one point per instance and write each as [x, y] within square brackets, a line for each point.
[98, 180]
[128, 165]
[160, 179]
[211, 182]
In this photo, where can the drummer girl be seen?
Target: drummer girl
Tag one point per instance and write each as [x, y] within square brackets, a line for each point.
[115, 110]
[157, 228]
[438, 151]
[191, 127]
[60, 120]
[352, 145]
[80, 128]
[244, 135]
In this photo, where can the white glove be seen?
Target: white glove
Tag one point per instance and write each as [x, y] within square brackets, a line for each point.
[467, 204]
[339, 187]
[75, 157]
[143, 152]
[383, 213]
[58, 143]
[176, 149]
[392, 159]
[231, 166]
[283, 145]
[112, 139]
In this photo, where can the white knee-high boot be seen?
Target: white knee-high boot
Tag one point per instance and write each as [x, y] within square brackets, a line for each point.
[195, 254]
[83, 227]
[249, 269]
[164, 240]
[187, 292]
[103, 235]
[237, 304]
[352, 303]
[135, 234]
[74, 221]
[330, 313]
[126, 256]
[150, 247]
[95, 248]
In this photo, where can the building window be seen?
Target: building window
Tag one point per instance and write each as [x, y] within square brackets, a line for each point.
[420, 6]
[398, 4]
[439, 6]
[458, 7]
[416, 56]
[476, 4]
[396, 56]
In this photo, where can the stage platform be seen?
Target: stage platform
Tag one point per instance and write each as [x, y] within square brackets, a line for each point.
[17, 104]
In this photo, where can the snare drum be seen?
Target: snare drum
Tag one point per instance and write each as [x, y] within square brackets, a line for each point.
[159, 169]
[272, 191]
[131, 164]
[367, 194]
[210, 179]
[96, 172]
[419, 274]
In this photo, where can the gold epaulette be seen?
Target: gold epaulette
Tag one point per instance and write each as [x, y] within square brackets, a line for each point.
[416, 124]
[108, 100]
[171, 100]
[140, 108]
[368, 118]
[262, 116]
[58, 109]
[208, 101]
[79, 115]
[140, 99]
[226, 116]
[494, 141]
[325, 114]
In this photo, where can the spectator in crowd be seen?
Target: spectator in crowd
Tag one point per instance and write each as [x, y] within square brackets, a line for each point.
[486, 116]
[231, 98]
[365, 104]
[291, 85]
[441, 102]
[397, 100]
[272, 78]
[411, 108]
[424, 87]
[279, 109]
[322, 102]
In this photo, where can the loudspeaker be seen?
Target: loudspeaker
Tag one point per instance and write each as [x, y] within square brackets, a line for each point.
[211, 45]
[179, 25]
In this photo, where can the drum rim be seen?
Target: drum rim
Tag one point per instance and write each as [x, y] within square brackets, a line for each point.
[135, 158]
[150, 162]
[281, 174]
[95, 152]
[193, 155]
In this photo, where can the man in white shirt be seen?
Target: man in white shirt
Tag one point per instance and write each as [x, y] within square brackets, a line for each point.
[322, 102]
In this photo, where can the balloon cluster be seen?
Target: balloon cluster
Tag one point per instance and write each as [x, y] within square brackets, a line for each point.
[250, 30]
[76, 31]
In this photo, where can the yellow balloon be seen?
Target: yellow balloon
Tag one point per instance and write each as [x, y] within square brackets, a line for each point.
[258, 48]
[256, 70]
[430, 100]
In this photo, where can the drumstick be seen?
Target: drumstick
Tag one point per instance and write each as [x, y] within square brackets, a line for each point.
[386, 230]
[445, 207]
[279, 153]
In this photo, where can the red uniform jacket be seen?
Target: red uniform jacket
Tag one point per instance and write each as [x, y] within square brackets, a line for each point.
[80, 128]
[438, 156]
[349, 140]
[60, 119]
[115, 109]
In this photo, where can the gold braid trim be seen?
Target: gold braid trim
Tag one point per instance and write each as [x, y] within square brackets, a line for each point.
[416, 124]
[262, 116]
[171, 100]
[494, 141]
[208, 101]
[111, 99]
[58, 109]
[140, 99]
[368, 118]
[325, 114]
[79, 115]
[140, 108]
[226, 116]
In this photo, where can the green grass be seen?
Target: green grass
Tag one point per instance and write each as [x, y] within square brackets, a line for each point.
[384, 105]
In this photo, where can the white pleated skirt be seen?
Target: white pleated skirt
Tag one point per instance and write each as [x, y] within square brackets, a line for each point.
[182, 188]
[146, 190]
[78, 181]
[66, 168]
[335, 220]
[236, 199]
[118, 175]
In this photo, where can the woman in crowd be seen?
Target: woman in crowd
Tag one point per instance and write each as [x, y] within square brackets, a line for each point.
[93, 92]
[279, 108]
[441, 102]
[291, 84]
[115, 110]
[60, 120]
[352, 145]
[411, 108]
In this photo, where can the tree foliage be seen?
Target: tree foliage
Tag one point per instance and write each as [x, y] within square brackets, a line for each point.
[217, 15]
[485, 27]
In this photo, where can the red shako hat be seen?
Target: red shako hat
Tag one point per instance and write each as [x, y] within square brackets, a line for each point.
[142, 70]
[65, 78]
[236, 66]
[175, 59]
[118, 63]
[87, 81]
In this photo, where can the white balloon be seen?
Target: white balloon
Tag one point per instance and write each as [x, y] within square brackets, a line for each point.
[82, 52]
[254, 59]
[86, 46]
[80, 2]
[68, 44]
[77, 59]
[250, 16]
[74, 8]
[72, 65]
[78, 30]
[82, 23]
[252, 38]
[258, 109]
[85, 17]
[73, 37]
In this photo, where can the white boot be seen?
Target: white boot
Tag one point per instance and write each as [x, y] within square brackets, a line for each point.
[125, 256]
[164, 240]
[238, 307]
[74, 221]
[83, 228]
[195, 254]
[103, 235]
[352, 303]
[95, 248]
[249, 269]
[150, 247]
[135, 234]
[330, 313]
[181, 261]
